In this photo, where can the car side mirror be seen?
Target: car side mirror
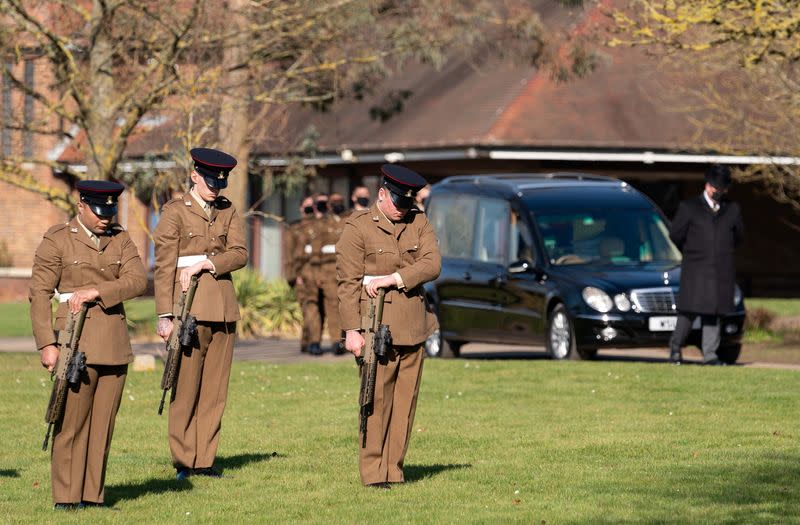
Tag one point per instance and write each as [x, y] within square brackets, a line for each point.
[521, 266]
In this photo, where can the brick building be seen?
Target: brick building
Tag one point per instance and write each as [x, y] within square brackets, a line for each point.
[490, 117]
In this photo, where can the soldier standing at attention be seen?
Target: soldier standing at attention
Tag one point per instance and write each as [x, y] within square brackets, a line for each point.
[360, 199]
[330, 231]
[200, 234]
[298, 256]
[317, 238]
[391, 246]
[89, 260]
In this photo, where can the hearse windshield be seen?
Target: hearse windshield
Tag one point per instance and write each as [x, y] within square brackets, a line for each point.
[611, 237]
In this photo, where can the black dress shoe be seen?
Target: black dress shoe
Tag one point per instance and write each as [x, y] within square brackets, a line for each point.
[210, 472]
[382, 485]
[339, 349]
[314, 349]
[675, 357]
[83, 504]
[715, 362]
[181, 473]
[303, 349]
[66, 506]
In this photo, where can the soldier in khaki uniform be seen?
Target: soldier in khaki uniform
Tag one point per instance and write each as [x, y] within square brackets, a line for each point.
[321, 294]
[359, 199]
[200, 233]
[330, 229]
[296, 262]
[390, 246]
[88, 260]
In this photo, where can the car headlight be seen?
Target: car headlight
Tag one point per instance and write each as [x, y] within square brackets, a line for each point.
[597, 299]
[622, 302]
[737, 295]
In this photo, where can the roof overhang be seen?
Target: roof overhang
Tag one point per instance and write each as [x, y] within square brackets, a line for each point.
[354, 157]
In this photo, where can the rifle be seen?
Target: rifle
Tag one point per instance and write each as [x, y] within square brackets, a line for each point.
[184, 330]
[377, 341]
[71, 364]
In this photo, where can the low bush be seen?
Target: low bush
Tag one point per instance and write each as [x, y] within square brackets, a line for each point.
[267, 307]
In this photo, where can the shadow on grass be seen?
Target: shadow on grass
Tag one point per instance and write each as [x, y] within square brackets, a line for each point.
[525, 353]
[238, 461]
[9, 473]
[413, 473]
[131, 491]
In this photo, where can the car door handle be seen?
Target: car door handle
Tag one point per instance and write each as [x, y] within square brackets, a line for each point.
[498, 280]
[467, 276]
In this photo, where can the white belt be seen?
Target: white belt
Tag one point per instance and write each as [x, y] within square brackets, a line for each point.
[64, 297]
[368, 278]
[188, 260]
[307, 249]
[329, 248]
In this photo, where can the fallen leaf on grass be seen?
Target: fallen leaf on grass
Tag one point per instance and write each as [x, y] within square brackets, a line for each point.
[36, 484]
[516, 501]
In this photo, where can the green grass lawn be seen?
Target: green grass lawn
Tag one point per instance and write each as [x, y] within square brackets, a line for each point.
[15, 318]
[493, 442]
[776, 306]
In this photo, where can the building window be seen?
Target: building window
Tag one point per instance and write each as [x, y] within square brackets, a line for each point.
[5, 138]
[27, 138]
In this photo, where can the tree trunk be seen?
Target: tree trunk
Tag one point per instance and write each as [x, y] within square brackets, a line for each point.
[233, 119]
[100, 118]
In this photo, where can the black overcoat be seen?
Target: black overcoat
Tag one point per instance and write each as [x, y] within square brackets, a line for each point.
[707, 241]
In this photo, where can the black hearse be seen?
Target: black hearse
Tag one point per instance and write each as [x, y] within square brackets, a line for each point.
[573, 262]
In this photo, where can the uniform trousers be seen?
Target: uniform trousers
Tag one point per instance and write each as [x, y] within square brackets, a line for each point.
[83, 438]
[390, 425]
[195, 414]
[323, 303]
[300, 295]
[711, 334]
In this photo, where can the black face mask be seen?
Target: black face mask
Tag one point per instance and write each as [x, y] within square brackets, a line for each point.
[362, 201]
[308, 210]
[717, 195]
[338, 208]
[322, 206]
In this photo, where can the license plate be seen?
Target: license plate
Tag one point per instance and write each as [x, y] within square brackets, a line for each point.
[663, 324]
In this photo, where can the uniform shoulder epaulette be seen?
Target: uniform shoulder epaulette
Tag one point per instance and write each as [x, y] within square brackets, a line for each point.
[358, 213]
[57, 228]
[221, 203]
[171, 203]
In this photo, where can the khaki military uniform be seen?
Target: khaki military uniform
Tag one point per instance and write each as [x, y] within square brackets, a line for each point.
[323, 267]
[68, 260]
[297, 251]
[184, 235]
[307, 293]
[373, 246]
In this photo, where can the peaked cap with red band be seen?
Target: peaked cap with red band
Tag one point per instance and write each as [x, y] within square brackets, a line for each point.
[100, 195]
[214, 166]
[402, 183]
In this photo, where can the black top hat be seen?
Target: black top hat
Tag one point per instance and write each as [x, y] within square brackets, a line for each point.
[100, 195]
[719, 176]
[403, 184]
[213, 165]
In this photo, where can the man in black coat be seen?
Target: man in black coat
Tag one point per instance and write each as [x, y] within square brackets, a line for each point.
[706, 229]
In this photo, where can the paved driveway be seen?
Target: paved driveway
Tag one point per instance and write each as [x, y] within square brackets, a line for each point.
[287, 351]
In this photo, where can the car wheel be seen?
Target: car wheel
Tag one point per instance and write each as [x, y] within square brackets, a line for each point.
[437, 346]
[560, 336]
[729, 354]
